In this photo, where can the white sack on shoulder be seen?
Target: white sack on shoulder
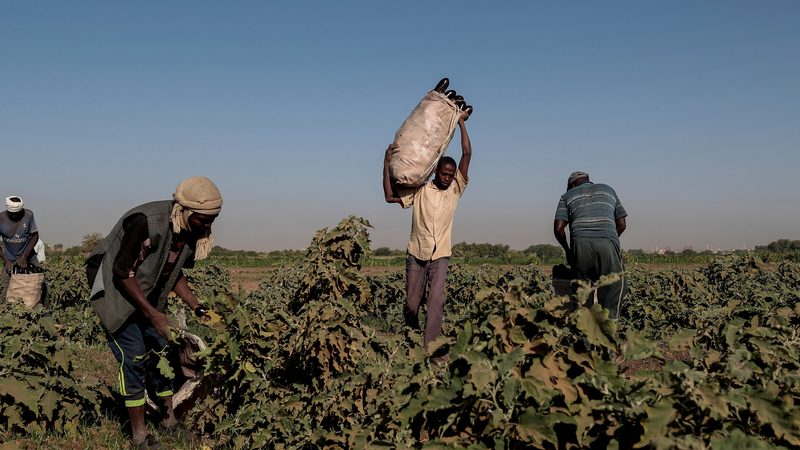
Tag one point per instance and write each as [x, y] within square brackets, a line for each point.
[423, 139]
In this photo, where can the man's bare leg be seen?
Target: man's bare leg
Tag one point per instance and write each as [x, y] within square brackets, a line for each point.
[169, 420]
[138, 429]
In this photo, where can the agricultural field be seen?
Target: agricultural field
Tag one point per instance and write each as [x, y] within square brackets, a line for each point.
[314, 355]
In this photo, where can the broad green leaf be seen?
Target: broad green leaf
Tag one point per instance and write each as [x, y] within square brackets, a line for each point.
[659, 416]
[784, 424]
[482, 375]
[440, 399]
[587, 323]
[509, 361]
[638, 347]
[21, 392]
[538, 428]
[49, 403]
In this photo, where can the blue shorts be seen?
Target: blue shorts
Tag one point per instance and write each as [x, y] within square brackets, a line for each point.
[134, 345]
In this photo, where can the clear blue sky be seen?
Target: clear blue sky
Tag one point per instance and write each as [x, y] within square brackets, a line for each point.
[689, 109]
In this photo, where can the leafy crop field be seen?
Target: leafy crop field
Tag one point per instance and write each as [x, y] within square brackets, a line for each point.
[316, 356]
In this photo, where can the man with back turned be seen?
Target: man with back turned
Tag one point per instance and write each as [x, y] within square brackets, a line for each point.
[596, 219]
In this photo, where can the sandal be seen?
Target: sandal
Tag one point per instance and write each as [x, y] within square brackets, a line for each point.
[149, 443]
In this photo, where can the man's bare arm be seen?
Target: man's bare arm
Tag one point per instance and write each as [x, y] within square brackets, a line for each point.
[389, 191]
[559, 231]
[130, 287]
[185, 293]
[26, 254]
[7, 266]
[466, 148]
[621, 225]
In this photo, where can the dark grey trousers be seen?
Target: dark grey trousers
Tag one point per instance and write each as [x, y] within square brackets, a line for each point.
[593, 258]
[420, 274]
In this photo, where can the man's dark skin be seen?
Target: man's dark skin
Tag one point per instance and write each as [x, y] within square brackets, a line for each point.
[22, 262]
[199, 224]
[444, 172]
[559, 226]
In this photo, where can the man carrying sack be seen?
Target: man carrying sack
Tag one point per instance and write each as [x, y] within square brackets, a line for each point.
[429, 247]
[19, 236]
[132, 272]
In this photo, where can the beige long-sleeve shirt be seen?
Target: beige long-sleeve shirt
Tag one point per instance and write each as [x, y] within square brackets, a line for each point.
[432, 217]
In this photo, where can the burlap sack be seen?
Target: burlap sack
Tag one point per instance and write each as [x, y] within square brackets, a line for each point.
[423, 139]
[25, 287]
[191, 367]
[190, 373]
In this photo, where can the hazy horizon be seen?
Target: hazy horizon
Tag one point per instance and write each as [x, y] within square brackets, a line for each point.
[689, 110]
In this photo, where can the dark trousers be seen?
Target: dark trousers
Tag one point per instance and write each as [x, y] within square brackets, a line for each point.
[133, 346]
[420, 274]
[593, 258]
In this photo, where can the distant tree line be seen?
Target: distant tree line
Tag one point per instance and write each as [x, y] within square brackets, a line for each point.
[470, 253]
[547, 254]
[91, 240]
[88, 243]
[386, 251]
[780, 246]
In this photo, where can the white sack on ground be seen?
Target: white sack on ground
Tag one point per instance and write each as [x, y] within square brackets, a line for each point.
[423, 138]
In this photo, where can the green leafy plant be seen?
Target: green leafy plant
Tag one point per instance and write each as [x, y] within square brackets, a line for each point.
[38, 388]
[333, 261]
[318, 357]
[66, 280]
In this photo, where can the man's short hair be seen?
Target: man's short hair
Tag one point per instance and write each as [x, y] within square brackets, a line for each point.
[446, 160]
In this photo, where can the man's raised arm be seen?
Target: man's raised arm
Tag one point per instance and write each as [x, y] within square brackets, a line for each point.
[466, 148]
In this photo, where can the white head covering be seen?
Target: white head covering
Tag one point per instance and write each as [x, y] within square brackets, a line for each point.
[196, 195]
[14, 206]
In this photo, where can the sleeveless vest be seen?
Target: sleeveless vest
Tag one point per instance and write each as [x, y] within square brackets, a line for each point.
[111, 304]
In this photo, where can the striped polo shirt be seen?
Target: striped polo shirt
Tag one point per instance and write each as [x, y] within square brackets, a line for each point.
[592, 211]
